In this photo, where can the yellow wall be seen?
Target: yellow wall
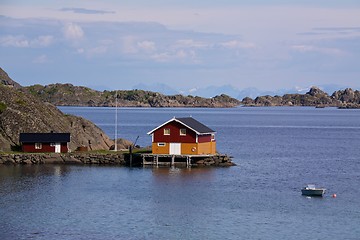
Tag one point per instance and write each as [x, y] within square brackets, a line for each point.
[207, 148]
[160, 150]
[186, 148]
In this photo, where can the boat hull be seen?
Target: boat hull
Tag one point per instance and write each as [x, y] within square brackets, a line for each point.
[313, 192]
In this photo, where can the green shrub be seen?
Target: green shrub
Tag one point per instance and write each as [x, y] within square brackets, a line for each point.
[20, 102]
[2, 107]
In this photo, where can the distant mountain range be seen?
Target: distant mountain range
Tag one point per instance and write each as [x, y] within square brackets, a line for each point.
[232, 91]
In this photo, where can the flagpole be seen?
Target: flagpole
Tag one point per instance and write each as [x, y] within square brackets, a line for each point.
[116, 122]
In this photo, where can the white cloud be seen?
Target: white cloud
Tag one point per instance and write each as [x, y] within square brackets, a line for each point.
[181, 55]
[129, 45]
[14, 41]
[92, 51]
[322, 50]
[21, 41]
[73, 31]
[190, 43]
[192, 90]
[235, 44]
[161, 57]
[147, 46]
[42, 41]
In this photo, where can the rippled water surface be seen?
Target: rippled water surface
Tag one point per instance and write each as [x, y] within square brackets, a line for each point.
[277, 151]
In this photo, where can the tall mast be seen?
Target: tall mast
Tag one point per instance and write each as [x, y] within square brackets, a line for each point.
[116, 122]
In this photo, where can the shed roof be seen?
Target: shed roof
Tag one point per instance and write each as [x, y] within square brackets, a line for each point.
[188, 122]
[44, 137]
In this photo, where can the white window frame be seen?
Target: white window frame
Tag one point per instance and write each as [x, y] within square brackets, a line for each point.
[52, 144]
[161, 144]
[182, 134]
[38, 145]
[165, 131]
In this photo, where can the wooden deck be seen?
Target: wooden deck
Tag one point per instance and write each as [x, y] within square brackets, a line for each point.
[171, 160]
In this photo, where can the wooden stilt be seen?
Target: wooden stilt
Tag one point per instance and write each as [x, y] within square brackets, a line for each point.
[170, 160]
[173, 160]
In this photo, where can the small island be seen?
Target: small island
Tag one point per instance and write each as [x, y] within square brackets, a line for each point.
[70, 95]
[315, 97]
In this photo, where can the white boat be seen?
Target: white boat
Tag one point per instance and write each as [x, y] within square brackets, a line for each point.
[311, 190]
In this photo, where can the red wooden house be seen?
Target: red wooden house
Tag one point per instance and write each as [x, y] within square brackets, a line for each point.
[45, 142]
[181, 136]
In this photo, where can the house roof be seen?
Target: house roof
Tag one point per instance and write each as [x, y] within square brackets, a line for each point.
[44, 137]
[188, 122]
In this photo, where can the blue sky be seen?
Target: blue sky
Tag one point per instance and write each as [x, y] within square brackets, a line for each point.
[111, 44]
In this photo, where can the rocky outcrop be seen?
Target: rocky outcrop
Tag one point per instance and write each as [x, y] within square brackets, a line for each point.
[69, 158]
[347, 98]
[216, 160]
[7, 81]
[23, 112]
[69, 95]
[114, 158]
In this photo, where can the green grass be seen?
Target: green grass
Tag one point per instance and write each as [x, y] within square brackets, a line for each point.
[2, 107]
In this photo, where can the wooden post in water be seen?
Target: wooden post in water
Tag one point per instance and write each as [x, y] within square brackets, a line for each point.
[173, 160]
[157, 160]
[116, 120]
[130, 152]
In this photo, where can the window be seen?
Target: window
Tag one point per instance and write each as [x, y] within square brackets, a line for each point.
[52, 144]
[212, 137]
[161, 144]
[38, 146]
[166, 131]
[183, 132]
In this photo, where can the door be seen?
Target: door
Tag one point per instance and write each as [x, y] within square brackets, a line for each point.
[57, 147]
[175, 148]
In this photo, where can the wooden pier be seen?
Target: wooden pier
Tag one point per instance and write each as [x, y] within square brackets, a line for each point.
[185, 160]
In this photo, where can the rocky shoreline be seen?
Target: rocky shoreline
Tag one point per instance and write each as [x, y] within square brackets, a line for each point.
[119, 158]
[63, 158]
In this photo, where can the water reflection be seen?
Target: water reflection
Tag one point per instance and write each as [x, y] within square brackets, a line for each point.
[185, 173]
[18, 171]
[23, 177]
[180, 197]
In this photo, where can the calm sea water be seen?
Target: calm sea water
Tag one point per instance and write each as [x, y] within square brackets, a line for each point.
[277, 151]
